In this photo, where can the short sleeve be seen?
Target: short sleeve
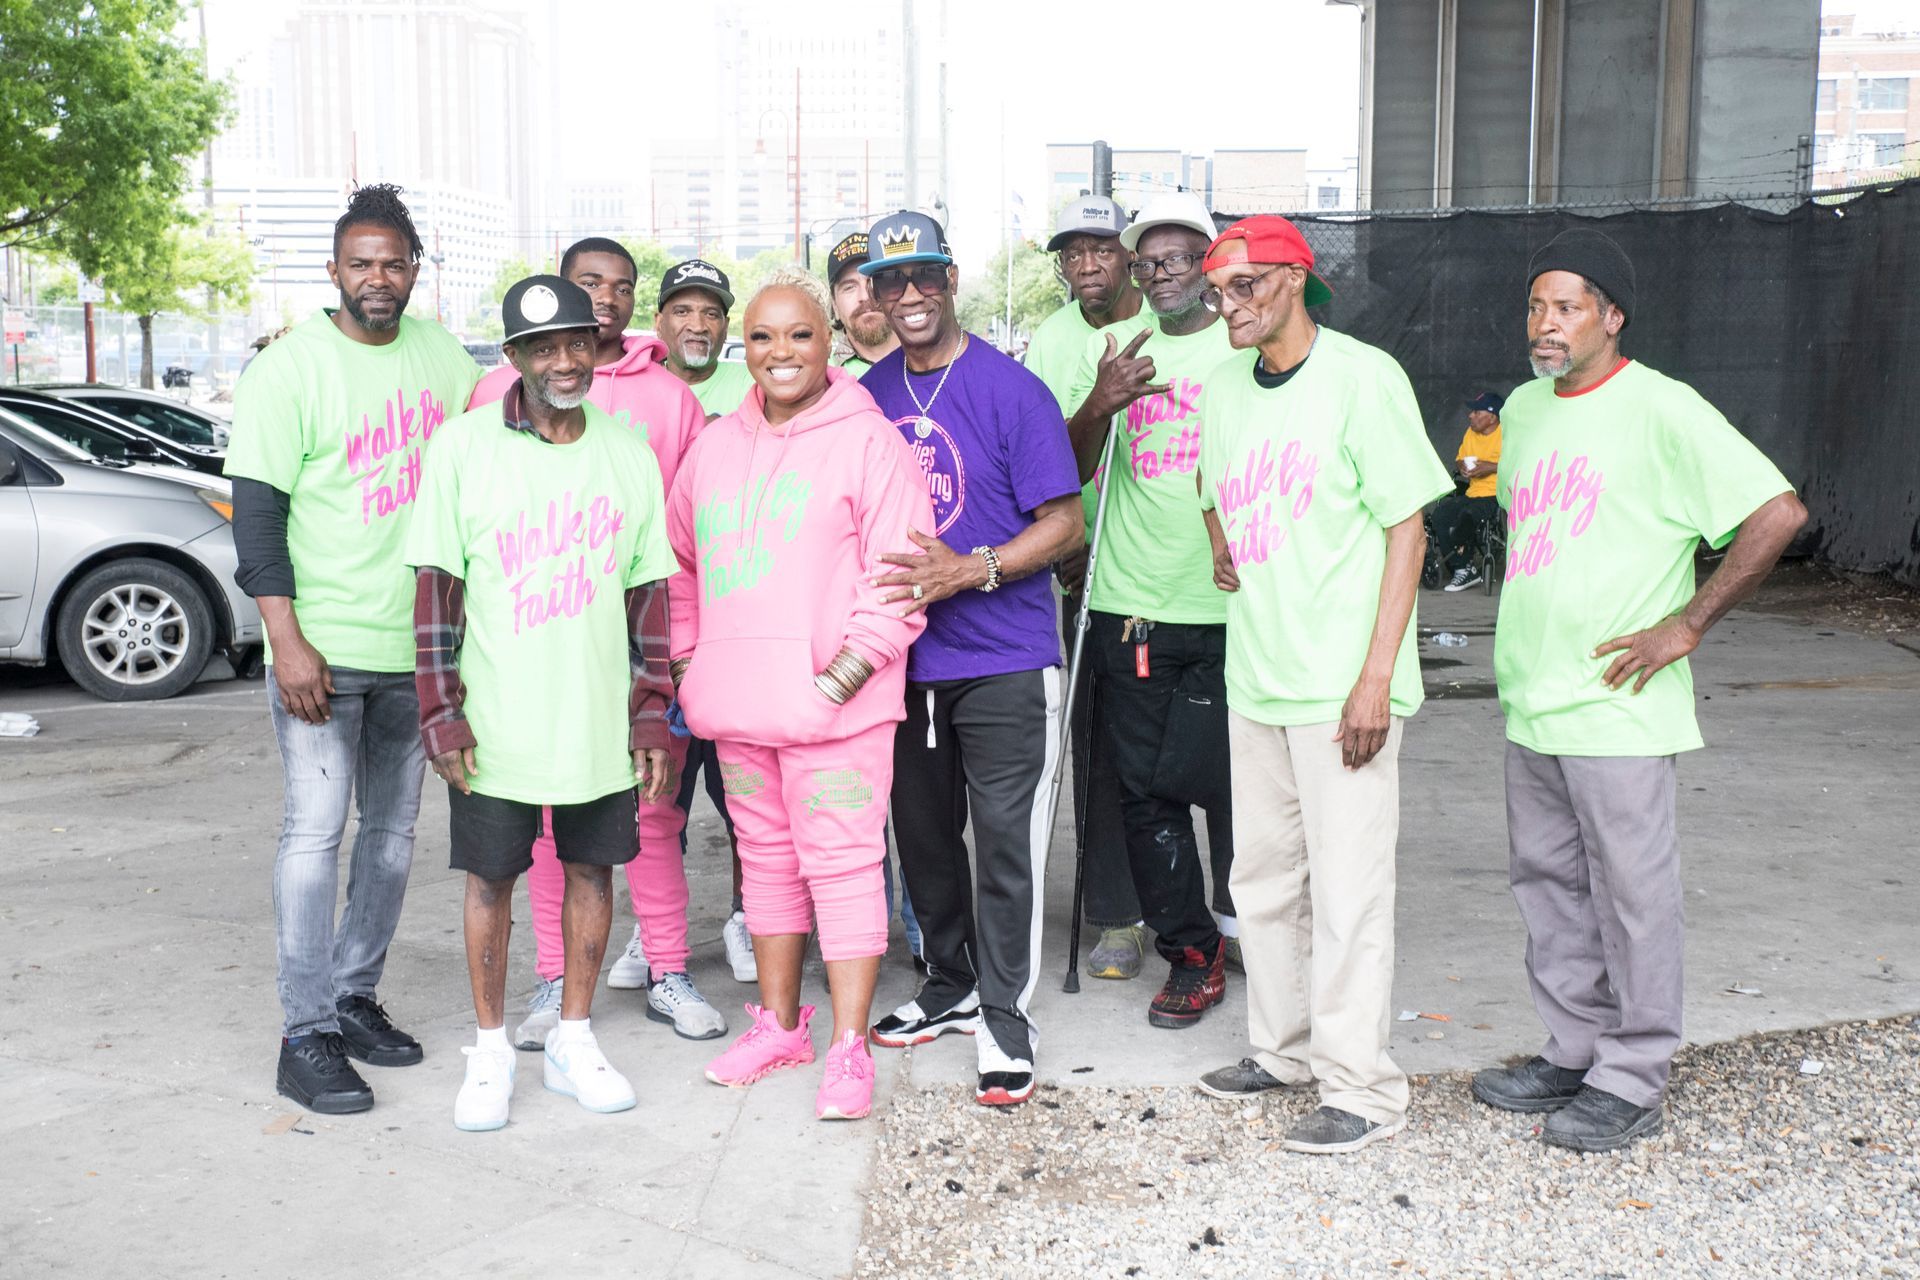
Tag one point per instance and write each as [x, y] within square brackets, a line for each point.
[434, 538]
[1466, 449]
[272, 434]
[1086, 369]
[1039, 456]
[1717, 478]
[653, 558]
[1398, 471]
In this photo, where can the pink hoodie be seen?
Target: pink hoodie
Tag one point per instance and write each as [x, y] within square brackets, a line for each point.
[639, 392]
[779, 531]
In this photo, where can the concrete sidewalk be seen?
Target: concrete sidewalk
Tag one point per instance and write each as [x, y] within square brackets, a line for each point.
[137, 1047]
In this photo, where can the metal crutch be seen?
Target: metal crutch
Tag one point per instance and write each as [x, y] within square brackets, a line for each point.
[1080, 624]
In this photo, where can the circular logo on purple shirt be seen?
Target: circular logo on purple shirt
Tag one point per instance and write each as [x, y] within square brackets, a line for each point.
[939, 459]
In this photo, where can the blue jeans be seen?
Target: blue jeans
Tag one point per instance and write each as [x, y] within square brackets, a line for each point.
[369, 750]
[907, 920]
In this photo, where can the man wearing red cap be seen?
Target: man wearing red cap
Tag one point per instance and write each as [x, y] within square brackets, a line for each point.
[1314, 470]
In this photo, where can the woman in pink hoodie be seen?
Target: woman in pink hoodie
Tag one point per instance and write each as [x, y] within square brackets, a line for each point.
[632, 383]
[787, 658]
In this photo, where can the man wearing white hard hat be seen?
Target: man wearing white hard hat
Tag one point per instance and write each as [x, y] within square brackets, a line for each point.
[1157, 635]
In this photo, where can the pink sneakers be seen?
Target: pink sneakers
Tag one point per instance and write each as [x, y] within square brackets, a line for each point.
[765, 1048]
[846, 1090]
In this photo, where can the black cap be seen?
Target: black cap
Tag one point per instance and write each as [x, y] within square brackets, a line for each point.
[904, 238]
[1591, 254]
[1488, 402]
[695, 273]
[540, 304]
[846, 256]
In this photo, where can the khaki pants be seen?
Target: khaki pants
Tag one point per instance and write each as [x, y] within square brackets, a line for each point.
[1313, 877]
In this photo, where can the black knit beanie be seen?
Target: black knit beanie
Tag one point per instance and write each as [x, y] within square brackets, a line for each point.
[1590, 254]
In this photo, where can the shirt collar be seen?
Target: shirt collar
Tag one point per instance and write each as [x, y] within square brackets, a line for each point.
[513, 411]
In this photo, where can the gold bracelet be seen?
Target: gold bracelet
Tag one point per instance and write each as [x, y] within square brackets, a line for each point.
[832, 688]
[677, 669]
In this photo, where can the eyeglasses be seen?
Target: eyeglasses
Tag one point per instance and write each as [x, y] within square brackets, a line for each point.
[1240, 290]
[930, 278]
[1174, 264]
[1104, 254]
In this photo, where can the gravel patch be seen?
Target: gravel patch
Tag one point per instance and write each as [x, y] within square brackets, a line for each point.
[1762, 1170]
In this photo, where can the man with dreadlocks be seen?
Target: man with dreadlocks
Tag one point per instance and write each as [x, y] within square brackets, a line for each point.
[329, 424]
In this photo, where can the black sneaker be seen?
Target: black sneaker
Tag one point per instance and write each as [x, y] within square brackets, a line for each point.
[370, 1035]
[1536, 1085]
[1243, 1079]
[1462, 579]
[1331, 1131]
[910, 1025]
[1599, 1121]
[315, 1073]
[1004, 1081]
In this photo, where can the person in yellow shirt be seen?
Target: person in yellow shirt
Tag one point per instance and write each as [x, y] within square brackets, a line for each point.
[1459, 518]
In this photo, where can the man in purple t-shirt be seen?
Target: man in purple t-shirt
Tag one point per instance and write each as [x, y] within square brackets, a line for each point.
[983, 681]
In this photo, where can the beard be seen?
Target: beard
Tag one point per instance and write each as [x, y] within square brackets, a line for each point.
[1555, 366]
[869, 328]
[382, 325]
[692, 361]
[538, 389]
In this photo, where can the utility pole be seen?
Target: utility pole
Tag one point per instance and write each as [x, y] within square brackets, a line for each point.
[1006, 226]
[1102, 169]
[910, 105]
[946, 170]
[796, 164]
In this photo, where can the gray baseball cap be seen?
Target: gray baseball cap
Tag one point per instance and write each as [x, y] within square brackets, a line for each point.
[1088, 216]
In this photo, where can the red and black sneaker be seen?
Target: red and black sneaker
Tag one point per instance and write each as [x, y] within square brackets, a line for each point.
[1195, 984]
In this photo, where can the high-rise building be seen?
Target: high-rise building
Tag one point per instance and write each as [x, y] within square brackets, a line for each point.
[1272, 180]
[1866, 99]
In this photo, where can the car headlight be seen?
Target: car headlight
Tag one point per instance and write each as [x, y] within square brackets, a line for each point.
[220, 502]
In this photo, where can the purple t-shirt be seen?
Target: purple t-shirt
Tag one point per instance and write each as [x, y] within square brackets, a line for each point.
[995, 448]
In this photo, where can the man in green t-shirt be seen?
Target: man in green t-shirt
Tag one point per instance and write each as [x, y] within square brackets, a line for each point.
[329, 425]
[691, 318]
[1610, 476]
[540, 620]
[864, 333]
[1157, 634]
[1315, 468]
[1093, 264]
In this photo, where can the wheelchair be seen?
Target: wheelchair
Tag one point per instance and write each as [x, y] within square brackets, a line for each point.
[1489, 552]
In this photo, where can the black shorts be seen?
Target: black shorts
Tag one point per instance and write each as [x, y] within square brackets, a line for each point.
[493, 838]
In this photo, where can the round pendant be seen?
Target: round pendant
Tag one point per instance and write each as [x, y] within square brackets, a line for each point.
[923, 426]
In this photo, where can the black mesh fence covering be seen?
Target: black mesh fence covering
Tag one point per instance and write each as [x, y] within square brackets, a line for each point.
[1802, 327]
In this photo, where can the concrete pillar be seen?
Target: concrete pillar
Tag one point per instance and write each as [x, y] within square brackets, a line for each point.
[1753, 87]
[1610, 99]
[1406, 50]
[1493, 43]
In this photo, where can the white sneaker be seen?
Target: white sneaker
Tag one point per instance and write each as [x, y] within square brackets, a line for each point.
[575, 1067]
[740, 948]
[630, 971]
[674, 999]
[486, 1092]
[543, 1015]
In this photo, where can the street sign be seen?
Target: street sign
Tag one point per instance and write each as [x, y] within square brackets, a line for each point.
[16, 327]
[92, 290]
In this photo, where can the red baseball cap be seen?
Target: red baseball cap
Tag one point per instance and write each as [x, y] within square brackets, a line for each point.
[1267, 238]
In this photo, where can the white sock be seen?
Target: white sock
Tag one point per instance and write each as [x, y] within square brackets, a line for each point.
[1229, 925]
[575, 1029]
[494, 1039]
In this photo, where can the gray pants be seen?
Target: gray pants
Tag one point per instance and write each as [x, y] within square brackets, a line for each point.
[371, 750]
[1597, 876]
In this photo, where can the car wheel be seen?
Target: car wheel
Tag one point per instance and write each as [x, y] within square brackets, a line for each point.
[134, 630]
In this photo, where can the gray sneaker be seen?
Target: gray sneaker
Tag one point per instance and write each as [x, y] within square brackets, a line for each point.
[543, 1015]
[1330, 1131]
[1243, 1079]
[1599, 1121]
[1119, 953]
[676, 1001]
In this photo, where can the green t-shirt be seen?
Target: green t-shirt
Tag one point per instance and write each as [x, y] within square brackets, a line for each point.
[1307, 476]
[722, 390]
[1607, 492]
[1053, 356]
[1155, 560]
[339, 426]
[548, 539]
[856, 366]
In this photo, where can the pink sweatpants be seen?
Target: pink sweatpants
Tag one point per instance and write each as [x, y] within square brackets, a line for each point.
[811, 821]
[656, 878]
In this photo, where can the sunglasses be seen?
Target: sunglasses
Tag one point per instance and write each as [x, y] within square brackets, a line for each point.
[930, 278]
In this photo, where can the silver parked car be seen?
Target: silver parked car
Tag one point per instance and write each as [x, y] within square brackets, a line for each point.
[124, 570]
[151, 411]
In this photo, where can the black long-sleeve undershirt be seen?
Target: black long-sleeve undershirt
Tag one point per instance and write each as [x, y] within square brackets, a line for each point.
[260, 538]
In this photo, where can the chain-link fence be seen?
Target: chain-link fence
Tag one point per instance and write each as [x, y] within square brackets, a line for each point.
[1800, 326]
[48, 344]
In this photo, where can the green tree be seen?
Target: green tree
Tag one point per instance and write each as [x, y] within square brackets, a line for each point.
[1037, 292]
[186, 268]
[101, 113]
[485, 320]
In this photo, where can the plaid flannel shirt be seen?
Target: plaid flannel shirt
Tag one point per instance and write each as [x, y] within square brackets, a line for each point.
[440, 625]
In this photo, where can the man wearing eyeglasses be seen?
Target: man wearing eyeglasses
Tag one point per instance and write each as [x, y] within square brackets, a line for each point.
[1093, 263]
[983, 681]
[1157, 635]
[1315, 469]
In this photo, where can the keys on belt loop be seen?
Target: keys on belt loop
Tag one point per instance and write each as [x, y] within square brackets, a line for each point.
[1137, 630]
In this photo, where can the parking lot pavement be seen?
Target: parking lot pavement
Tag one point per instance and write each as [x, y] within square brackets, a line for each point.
[137, 1048]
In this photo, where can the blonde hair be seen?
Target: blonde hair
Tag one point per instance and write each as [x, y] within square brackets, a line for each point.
[788, 276]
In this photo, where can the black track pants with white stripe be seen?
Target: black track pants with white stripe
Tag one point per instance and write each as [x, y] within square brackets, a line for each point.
[979, 751]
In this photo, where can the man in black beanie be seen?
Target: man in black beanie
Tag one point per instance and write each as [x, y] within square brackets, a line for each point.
[1610, 476]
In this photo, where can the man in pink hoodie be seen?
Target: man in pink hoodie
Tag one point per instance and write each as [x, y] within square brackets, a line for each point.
[633, 385]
